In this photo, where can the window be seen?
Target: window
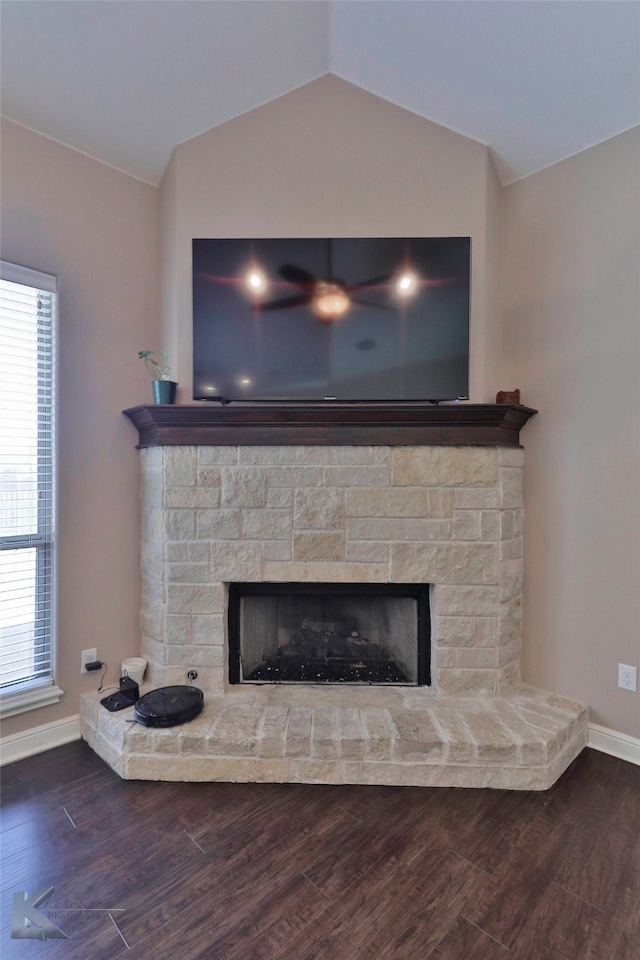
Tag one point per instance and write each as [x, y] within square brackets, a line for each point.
[27, 494]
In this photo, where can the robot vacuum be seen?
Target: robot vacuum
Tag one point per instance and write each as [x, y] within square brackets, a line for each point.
[169, 706]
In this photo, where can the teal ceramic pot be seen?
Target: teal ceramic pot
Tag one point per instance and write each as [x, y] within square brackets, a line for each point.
[164, 391]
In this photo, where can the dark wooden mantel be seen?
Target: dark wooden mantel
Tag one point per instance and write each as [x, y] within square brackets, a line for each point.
[460, 424]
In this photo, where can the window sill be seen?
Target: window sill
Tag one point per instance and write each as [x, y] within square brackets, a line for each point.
[29, 698]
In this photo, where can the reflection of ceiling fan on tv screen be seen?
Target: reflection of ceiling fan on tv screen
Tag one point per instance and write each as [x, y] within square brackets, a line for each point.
[328, 297]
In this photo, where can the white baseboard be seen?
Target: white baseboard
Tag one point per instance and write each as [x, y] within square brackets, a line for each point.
[17, 746]
[615, 744]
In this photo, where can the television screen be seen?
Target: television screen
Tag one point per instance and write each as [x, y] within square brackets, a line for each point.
[331, 319]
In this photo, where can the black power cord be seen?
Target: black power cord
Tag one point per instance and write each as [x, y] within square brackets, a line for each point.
[94, 665]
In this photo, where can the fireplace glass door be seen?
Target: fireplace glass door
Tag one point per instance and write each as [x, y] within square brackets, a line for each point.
[329, 633]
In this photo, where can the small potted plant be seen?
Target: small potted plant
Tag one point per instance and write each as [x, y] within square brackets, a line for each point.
[164, 388]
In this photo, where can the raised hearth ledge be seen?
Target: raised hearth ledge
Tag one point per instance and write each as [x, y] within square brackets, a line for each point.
[523, 741]
[393, 424]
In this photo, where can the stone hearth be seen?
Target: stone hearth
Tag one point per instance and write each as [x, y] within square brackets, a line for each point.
[430, 513]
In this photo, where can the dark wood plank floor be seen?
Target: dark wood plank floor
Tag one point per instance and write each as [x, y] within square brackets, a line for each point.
[164, 871]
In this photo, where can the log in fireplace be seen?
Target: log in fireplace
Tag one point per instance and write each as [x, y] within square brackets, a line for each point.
[359, 633]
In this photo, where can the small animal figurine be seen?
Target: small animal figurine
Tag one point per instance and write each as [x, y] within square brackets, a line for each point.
[508, 396]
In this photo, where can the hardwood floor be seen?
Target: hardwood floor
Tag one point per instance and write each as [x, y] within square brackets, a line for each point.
[176, 871]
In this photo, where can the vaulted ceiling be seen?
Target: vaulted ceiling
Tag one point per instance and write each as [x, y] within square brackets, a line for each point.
[125, 81]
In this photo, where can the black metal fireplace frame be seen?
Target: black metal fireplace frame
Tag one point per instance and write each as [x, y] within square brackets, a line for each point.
[417, 591]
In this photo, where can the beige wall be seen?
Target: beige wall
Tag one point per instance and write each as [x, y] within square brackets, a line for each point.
[329, 160]
[571, 342]
[97, 230]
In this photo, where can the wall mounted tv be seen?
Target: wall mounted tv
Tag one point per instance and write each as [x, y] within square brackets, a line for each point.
[331, 319]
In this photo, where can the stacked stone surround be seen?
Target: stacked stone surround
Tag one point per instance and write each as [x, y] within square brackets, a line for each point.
[444, 515]
[448, 516]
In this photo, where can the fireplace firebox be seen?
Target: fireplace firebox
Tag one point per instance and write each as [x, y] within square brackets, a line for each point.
[344, 633]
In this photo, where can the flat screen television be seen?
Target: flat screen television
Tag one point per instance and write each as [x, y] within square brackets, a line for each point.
[313, 320]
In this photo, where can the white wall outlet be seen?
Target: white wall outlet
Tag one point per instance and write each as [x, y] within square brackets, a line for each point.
[88, 656]
[627, 677]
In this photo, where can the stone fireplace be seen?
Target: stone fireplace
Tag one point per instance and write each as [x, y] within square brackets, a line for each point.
[430, 501]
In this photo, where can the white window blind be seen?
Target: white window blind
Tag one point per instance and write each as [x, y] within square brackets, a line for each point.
[27, 488]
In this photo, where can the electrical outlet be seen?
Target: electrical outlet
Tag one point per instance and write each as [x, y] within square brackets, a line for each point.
[627, 677]
[87, 657]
